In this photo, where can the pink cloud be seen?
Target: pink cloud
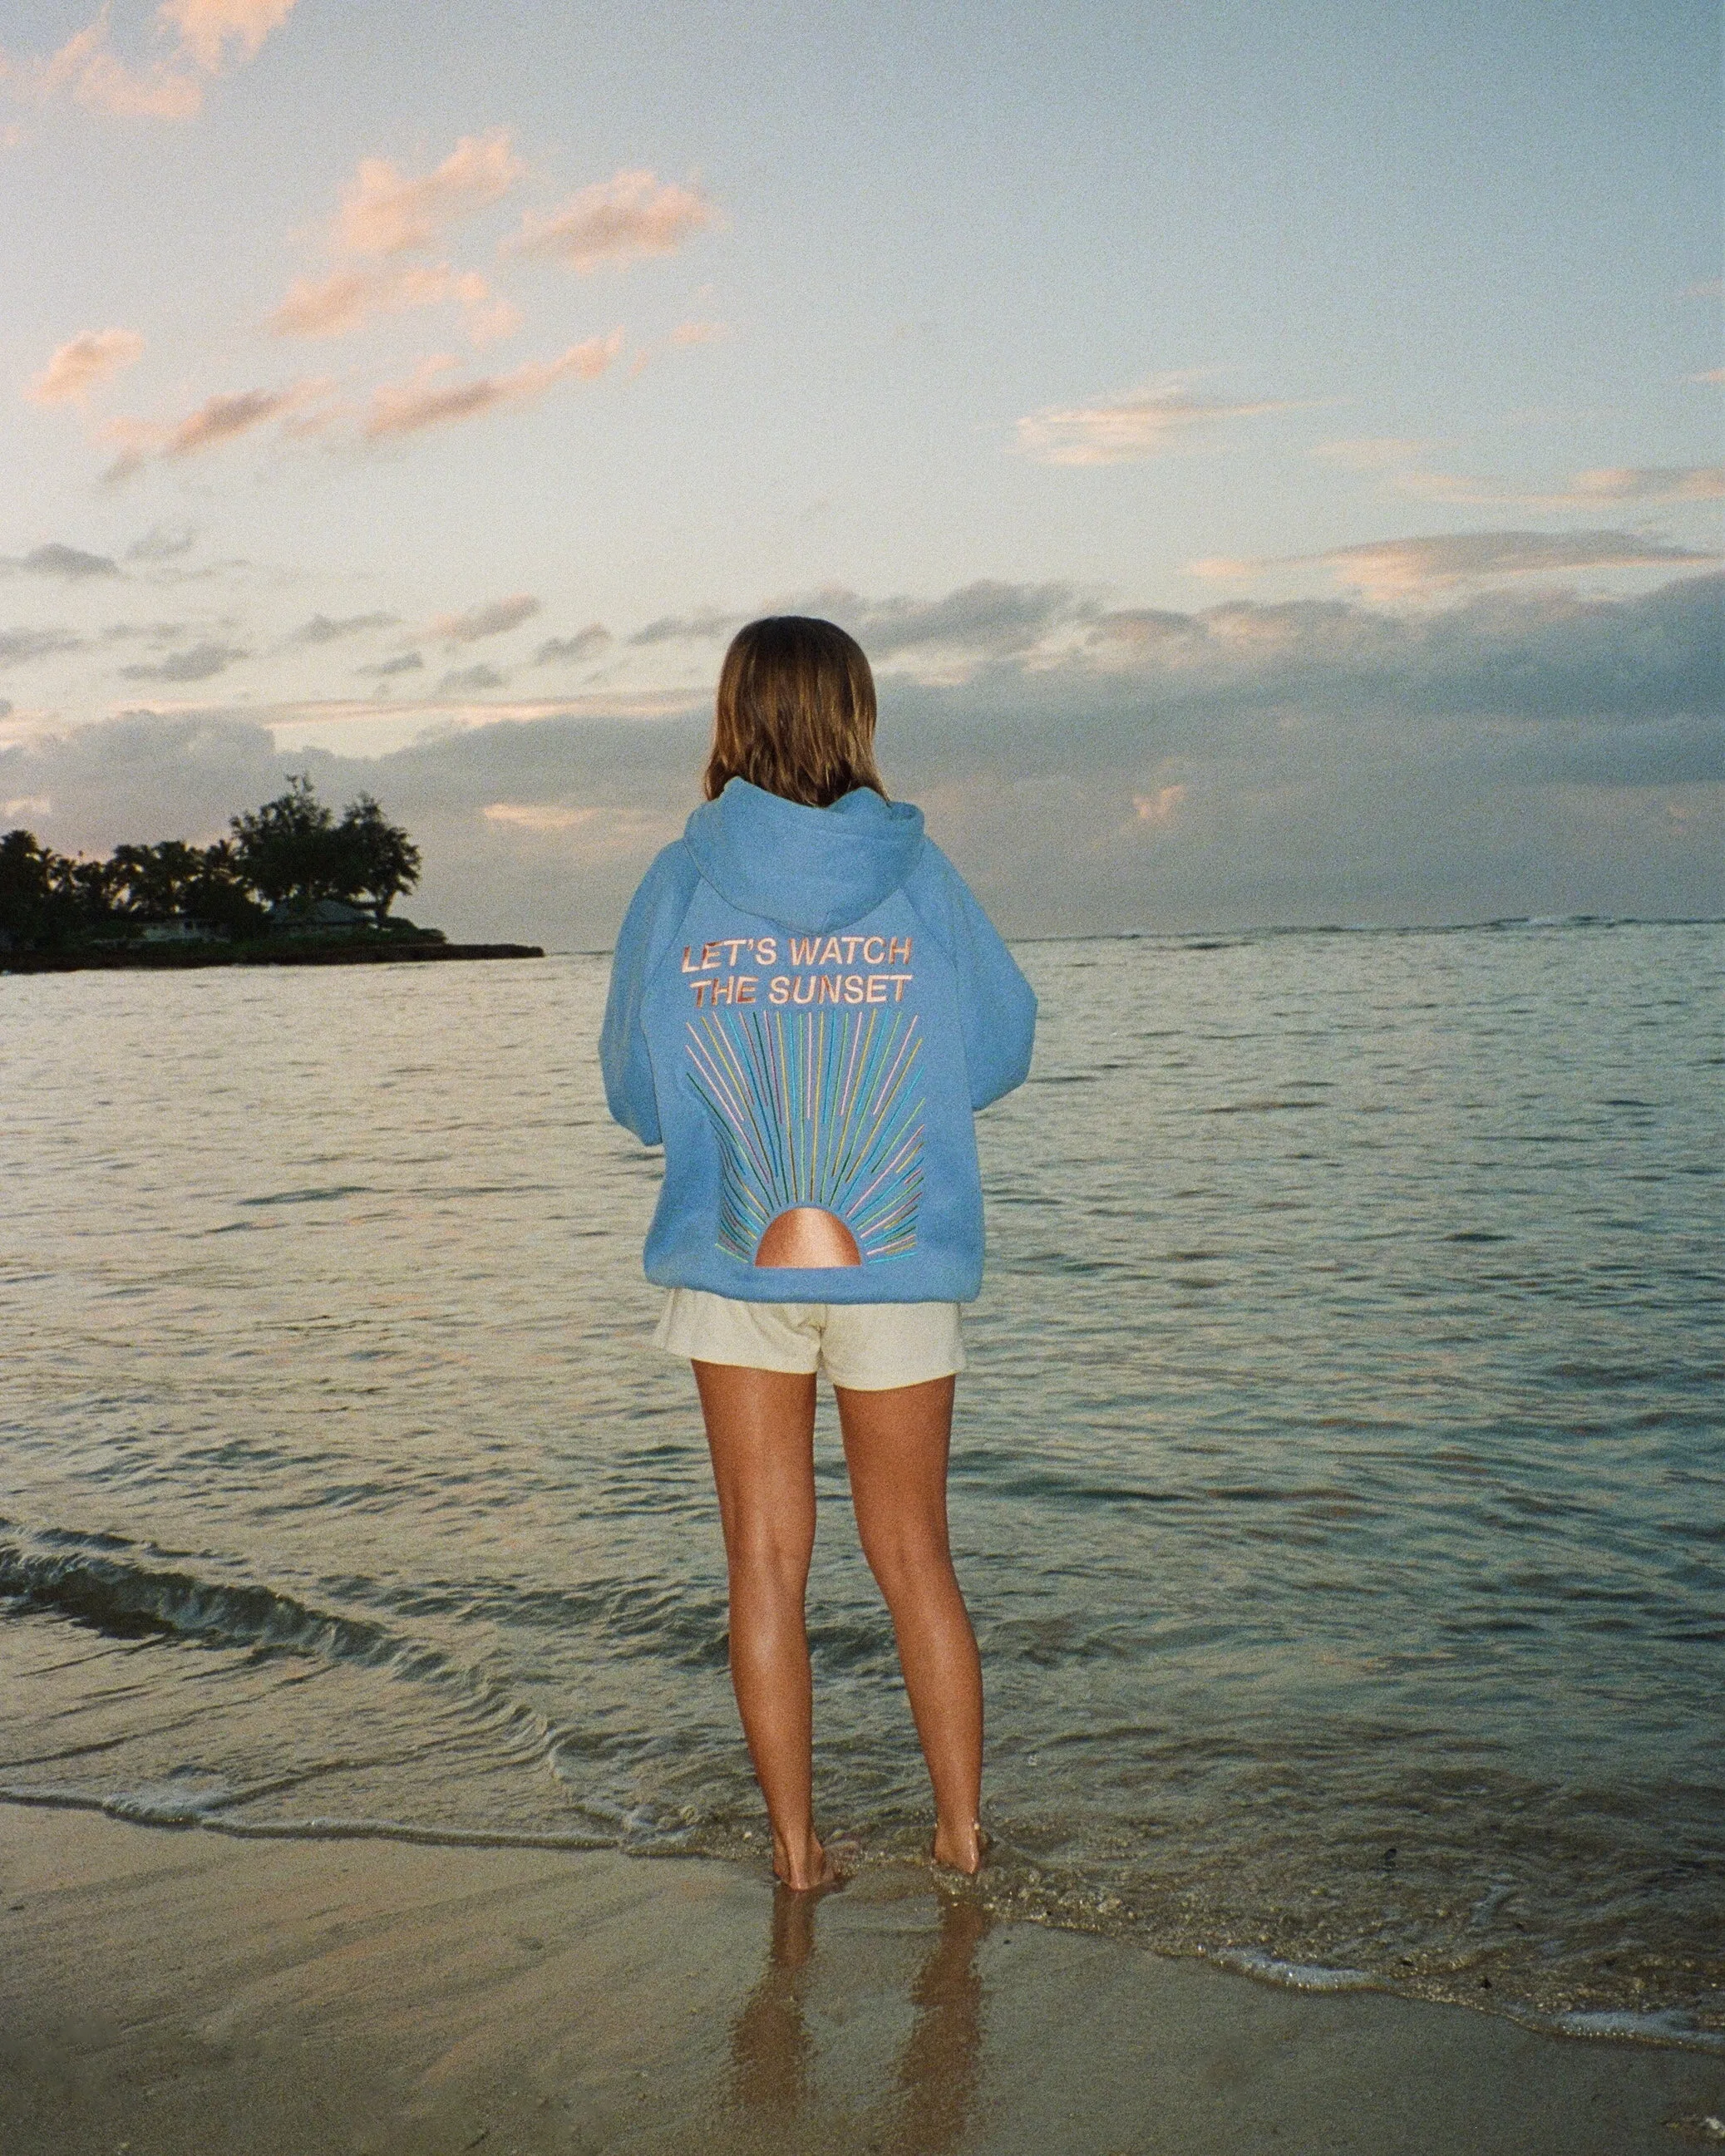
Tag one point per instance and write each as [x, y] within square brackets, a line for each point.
[218, 420]
[86, 69]
[156, 92]
[208, 27]
[622, 219]
[539, 815]
[1144, 424]
[1161, 806]
[221, 418]
[1586, 489]
[426, 401]
[84, 364]
[347, 299]
[493, 620]
[1391, 568]
[386, 211]
[700, 332]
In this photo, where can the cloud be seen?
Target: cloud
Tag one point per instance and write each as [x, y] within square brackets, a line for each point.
[1517, 752]
[386, 211]
[700, 333]
[70, 562]
[491, 620]
[406, 662]
[537, 815]
[1144, 424]
[221, 418]
[201, 663]
[159, 632]
[218, 420]
[684, 628]
[333, 307]
[83, 364]
[986, 619]
[208, 27]
[87, 69]
[19, 646]
[347, 299]
[1652, 484]
[1161, 806]
[471, 680]
[1712, 374]
[321, 629]
[161, 544]
[633, 215]
[1705, 288]
[90, 73]
[582, 644]
[428, 401]
[1408, 568]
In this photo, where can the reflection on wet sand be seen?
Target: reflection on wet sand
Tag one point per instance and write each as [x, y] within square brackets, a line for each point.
[771, 2048]
[770, 2043]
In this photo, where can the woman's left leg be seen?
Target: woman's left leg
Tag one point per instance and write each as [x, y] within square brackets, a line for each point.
[895, 1445]
[760, 1428]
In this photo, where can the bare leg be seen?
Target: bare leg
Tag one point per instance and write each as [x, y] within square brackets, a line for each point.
[760, 1428]
[895, 1444]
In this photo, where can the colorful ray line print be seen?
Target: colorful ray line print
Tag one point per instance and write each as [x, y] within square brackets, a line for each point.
[813, 1108]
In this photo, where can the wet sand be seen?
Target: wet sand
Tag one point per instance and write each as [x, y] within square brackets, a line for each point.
[170, 1991]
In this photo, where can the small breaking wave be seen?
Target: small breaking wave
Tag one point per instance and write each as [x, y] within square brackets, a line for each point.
[125, 1591]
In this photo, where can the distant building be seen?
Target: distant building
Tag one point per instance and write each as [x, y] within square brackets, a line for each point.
[176, 930]
[326, 916]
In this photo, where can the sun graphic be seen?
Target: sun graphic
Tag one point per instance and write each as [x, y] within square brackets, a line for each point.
[819, 1117]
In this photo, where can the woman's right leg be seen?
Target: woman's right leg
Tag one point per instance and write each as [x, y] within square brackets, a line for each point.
[760, 1428]
[895, 1446]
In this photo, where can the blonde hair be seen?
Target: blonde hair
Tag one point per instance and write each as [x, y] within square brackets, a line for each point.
[795, 713]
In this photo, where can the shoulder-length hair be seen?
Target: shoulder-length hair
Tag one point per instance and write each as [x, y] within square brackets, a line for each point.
[795, 713]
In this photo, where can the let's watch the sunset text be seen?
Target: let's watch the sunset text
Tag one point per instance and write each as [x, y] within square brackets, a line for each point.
[718, 981]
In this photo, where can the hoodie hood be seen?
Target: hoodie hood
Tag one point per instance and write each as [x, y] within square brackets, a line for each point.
[804, 868]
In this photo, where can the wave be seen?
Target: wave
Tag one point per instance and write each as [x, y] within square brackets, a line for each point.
[125, 1591]
[152, 1808]
[128, 1599]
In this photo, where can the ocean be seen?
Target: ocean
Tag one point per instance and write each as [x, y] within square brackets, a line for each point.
[1337, 1484]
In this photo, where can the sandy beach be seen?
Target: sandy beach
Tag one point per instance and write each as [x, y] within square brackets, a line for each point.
[165, 1992]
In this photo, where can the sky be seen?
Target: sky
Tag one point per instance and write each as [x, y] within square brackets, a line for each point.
[1269, 451]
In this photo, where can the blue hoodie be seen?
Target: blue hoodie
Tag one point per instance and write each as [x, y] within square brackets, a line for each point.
[807, 1006]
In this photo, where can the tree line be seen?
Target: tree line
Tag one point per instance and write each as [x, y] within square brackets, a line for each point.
[287, 855]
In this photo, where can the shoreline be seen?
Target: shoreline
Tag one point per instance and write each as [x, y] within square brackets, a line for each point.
[167, 958]
[179, 1991]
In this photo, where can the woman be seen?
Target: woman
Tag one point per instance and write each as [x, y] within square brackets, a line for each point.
[807, 1006]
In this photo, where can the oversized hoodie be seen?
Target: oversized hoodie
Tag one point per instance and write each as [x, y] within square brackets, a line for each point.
[806, 1007]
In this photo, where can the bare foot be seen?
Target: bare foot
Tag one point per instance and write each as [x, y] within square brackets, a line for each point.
[960, 1849]
[805, 1866]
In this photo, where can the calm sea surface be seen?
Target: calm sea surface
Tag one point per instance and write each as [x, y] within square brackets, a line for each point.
[1338, 1483]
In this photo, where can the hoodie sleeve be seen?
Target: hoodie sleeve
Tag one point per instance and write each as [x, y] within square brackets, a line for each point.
[996, 1006]
[653, 915]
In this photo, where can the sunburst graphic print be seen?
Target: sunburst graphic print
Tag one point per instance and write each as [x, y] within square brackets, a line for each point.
[813, 1109]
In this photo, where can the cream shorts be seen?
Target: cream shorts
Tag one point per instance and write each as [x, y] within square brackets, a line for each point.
[865, 1347]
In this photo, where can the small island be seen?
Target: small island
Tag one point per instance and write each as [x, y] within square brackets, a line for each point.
[294, 885]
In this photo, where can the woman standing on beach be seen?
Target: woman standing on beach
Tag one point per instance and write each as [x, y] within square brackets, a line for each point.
[806, 1007]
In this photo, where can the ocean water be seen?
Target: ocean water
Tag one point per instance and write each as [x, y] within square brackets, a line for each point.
[1337, 1485]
